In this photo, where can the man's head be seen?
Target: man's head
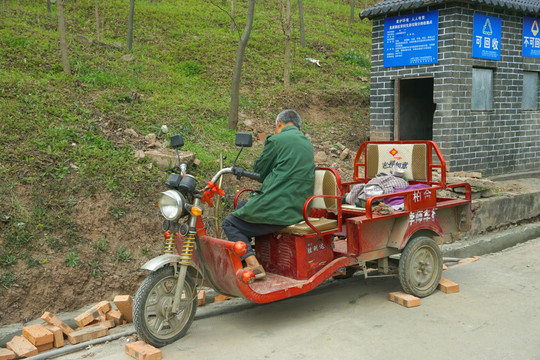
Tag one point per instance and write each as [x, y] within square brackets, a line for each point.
[286, 118]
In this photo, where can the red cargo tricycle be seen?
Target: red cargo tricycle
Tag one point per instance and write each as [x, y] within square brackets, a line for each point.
[334, 240]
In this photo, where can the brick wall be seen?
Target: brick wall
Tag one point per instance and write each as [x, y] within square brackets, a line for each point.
[501, 141]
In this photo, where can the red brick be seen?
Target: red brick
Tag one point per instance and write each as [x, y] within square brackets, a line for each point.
[58, 341]
[51, 319]
[88, 333]
[45, 347]
[6, 354]
[221, 298]
[116, 316]
[38, 334]
[124, 303]
[107, 323]
[201, 298]
[401, 298]
[142, 351]
[92, 314]
[469, 260]
[102, 320]
[448, 286]
[22, 347]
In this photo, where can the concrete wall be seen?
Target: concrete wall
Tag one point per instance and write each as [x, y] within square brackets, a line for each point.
[501, 141]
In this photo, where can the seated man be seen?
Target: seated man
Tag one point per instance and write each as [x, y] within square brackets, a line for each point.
[287, 170]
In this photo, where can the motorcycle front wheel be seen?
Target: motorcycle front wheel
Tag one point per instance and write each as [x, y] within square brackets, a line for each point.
[152, 316]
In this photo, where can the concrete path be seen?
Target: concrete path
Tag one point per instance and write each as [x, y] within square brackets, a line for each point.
[496, 315]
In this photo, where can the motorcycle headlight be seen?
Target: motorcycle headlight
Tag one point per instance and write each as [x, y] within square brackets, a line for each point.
[373, 190]
[171, 204]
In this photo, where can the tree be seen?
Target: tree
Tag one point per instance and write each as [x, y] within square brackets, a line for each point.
[233, 25]
[130, 24]
[49, 6]
[235, 87]
[286, 26]
[62, 33]
[97, 19]
[301, 20]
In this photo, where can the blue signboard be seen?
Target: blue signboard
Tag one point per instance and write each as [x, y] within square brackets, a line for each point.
[531, 37]
[486, 37]
[411, 39]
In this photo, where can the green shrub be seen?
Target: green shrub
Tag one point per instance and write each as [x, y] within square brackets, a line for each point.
[7, 279]
[122, 254]
[356, 58]
[72, 259]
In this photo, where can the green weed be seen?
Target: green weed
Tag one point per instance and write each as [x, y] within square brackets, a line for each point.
[54, 243]
[7, 279]
[356, 58]
[118, 212]
[72, 259]
[101, 245]
[122, 254]
[8, 260]
[145, 251]
[19, 239]
[191, 68]
[95, 268]
[31, 262]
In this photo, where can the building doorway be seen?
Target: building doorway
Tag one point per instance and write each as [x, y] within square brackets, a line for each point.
[414, 109]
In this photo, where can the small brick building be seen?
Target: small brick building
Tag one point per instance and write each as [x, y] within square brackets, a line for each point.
[464, 73]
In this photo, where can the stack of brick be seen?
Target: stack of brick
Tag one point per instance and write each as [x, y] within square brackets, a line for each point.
[93, 323]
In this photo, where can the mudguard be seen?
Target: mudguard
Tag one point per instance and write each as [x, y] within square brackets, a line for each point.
[160, 261]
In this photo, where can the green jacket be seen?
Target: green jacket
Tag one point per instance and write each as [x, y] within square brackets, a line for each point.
[287, 169]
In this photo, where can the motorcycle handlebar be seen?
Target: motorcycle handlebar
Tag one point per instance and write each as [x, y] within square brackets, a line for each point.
[251, 175]
[238, 172]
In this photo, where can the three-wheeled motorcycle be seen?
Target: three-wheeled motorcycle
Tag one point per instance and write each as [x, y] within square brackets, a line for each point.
[334, 239]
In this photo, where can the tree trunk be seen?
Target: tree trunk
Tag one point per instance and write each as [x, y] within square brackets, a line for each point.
[232, 16]
[235, 87]
[301, 19]
[130, 24]
[62, 33]
[48, 6]
[352, 11]
[286, 25]
[97, 19]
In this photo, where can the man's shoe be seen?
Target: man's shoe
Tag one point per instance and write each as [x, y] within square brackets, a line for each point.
[258, 270]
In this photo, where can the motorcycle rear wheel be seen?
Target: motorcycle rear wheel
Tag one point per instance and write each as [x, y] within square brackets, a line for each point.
[420, 267]
[154, 322]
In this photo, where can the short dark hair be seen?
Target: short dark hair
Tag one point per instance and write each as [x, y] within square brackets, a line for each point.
[289, 116]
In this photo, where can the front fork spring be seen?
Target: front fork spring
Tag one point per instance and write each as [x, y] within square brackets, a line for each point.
[187, 249]
[168, 248]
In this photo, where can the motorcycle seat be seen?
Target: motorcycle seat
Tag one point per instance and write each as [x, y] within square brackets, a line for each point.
[302, 228]
[326, 198]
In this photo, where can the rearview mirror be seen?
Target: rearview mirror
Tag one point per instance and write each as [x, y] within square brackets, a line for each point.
[177, 141]
[244, 139]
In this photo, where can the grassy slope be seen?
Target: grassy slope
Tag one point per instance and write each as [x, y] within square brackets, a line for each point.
[53, 148]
